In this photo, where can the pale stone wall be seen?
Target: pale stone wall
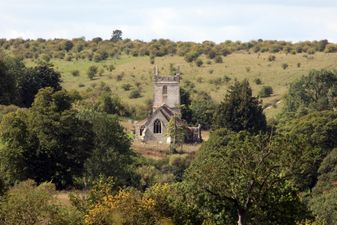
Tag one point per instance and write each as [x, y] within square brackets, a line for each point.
[172, 98]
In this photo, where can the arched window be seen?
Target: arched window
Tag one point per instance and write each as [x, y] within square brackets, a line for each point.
[157, 127]
[164, 90]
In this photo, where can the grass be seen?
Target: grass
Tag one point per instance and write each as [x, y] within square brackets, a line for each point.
[235, 66]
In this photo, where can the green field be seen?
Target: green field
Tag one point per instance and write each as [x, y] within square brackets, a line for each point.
[235, 66]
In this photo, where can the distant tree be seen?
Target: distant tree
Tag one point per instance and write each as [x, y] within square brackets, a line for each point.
[240, 110]
[315, 92]
[251, 176]
[116, 35]
[68, 45]
[92, 72]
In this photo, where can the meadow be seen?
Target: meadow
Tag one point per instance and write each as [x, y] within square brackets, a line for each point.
[213, 78]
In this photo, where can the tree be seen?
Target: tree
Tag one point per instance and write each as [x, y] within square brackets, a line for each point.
[202, 108]
[176, 132]
[112, 155]
[92, 71]
[315, 92]
[240, 110]
[324, 201]
[250, 174]
[319, 130]
[31, 204]
[7, 85]
[47, 142]
[116, 35]
[33, 80]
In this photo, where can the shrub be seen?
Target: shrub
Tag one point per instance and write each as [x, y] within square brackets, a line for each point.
[218, 59]
[135, 94]
[284, 66]
[92, 71]
[247, 69]
[199, 62]
[271, 58]
[27, 203]
[75, 73]
[120, 76]
[126, 87]
[266, 91]
[258, 81]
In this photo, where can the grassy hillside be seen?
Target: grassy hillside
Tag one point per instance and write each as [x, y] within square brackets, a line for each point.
[137, 71]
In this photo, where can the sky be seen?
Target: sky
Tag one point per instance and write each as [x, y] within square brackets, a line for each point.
[178, 20]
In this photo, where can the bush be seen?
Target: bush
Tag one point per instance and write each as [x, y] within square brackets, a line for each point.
[199, 62]
[92, 71]
[218, 59]
[27, 203]
[271, 58]
[258, 81]
[135, 94]
[126, 87]
[266, 91]
[284, 66]
[75, 73]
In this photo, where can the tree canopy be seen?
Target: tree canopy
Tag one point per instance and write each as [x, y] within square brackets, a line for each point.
[251, 174]
[315, 92]
[240, 110]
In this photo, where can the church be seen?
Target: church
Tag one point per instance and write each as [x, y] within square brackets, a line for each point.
[166, 104]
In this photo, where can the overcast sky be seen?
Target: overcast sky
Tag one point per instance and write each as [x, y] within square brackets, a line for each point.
[186, 20]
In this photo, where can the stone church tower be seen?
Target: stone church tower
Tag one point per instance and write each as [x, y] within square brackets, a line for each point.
[166, 104]
[166, 91]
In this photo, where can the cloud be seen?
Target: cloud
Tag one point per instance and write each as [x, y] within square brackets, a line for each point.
[188, 20]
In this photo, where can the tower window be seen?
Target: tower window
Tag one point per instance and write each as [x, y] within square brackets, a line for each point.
[164, 90]
[157, 127]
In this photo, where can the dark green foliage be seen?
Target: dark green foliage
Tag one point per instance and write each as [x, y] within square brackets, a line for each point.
[111, 104]
[92, 72]
[284, 66]
[199, 62]
[250, 175]
[218, 59]
[116, 35]
[258, 81]
[112, 155]
[7, 85]
[185, 102]
[240, 110]
[265, 91]
[75, 73]
[47, 142]
[135, 94]
[315, 92]
[319, 130]
[33, 80]
[324, 201]
[203, 108]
